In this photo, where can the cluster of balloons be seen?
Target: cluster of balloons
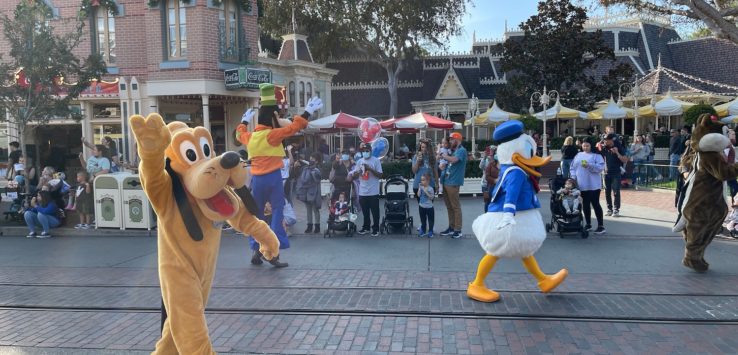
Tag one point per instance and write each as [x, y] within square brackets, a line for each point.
[370, 133]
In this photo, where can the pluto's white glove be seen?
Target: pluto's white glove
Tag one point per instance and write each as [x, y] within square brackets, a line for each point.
[314, 104]
[508, 219]
[248, 116]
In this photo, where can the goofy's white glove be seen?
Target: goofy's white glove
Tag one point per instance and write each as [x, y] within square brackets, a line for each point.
[314, 104]
[248, 116]
[508, 219]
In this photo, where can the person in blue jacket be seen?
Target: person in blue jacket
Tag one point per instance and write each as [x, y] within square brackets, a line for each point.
[42, 212]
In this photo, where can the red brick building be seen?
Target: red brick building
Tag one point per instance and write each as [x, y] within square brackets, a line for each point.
[165, 56]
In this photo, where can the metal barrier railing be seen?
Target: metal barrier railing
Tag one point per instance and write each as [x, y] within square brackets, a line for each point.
[654, 176]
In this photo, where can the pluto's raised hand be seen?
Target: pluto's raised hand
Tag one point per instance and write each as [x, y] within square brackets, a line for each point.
[151, 134]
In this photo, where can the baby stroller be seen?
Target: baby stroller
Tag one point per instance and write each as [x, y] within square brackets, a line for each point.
[19, 201]
[341, 221]
[396, 207]
[560, 220]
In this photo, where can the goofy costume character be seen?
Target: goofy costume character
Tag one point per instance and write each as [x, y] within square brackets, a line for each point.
[264, 146]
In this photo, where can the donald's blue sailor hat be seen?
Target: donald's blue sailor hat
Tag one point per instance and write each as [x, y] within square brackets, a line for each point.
[508, 131]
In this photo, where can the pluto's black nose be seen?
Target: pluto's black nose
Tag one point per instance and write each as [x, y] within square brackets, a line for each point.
[229, 160]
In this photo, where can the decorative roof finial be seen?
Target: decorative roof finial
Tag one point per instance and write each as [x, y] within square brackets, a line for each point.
[505, 25]
[474, 36]
[658, 65]
[294, 23]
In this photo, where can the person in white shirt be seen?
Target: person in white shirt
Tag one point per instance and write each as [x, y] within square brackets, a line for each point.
[368, 170]
[585, 170]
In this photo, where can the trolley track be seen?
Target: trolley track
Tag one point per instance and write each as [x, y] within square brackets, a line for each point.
[342, 313]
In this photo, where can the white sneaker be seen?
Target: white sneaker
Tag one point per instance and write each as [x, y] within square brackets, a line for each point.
[78, 226]
[609, 213]
[616, 213]
[31, 235]
[85, 226]
[44, 235]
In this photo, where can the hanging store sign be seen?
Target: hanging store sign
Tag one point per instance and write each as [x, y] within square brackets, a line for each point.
[249, 78]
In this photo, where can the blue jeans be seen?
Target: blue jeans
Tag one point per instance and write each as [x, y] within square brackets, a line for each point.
[565, 166]
[674, 162]
[45, 221]
[638, 171]
[269, 188]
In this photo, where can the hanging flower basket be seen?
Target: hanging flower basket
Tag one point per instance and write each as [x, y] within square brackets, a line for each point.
[89, 5]
[245, 5]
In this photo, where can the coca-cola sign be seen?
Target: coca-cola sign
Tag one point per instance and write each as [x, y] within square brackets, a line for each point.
[232, 79]
[246, 78]
[254, 77]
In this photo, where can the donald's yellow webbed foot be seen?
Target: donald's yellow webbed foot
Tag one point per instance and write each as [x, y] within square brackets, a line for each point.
[482, 293]
[477, 290]
[545, 282]
[551, 281]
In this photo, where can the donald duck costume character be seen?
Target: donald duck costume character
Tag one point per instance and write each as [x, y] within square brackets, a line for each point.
[512, 226]
[264, 146]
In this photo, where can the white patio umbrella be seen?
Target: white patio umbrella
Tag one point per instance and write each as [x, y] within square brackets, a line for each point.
[669, 106]
[558, 111]
[612, 111]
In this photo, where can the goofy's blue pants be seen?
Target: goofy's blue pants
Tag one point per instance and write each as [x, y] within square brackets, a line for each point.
[268, 188]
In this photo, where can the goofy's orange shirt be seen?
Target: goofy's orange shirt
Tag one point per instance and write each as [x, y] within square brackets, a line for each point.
[264, 145]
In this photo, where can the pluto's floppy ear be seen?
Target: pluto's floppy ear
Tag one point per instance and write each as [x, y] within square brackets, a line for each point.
[244, 193]
[183, 204]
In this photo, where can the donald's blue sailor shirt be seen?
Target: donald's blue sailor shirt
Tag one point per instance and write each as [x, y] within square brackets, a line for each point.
[516, 192]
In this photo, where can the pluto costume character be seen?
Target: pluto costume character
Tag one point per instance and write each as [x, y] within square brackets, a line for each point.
[192, 192]
[701, 218]
[512, 226]
[265, 149]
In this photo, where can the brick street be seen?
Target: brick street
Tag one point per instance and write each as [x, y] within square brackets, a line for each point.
[97, 293]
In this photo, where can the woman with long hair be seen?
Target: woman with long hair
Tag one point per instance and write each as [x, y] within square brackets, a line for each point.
[424, 162]
[568, 152]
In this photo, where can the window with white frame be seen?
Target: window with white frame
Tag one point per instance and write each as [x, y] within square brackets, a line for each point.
[292, 94]
[228, 18]
[105, 30]
[176, 28]
[302, 94]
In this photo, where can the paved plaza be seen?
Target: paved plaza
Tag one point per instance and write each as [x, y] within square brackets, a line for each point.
[97, 293]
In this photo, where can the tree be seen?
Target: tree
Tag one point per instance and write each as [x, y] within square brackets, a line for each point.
[694, 112]
[719, 16]
[555, 51]
[42, 75]
[389, 33]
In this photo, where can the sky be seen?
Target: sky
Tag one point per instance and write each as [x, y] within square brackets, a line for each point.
[487, 18]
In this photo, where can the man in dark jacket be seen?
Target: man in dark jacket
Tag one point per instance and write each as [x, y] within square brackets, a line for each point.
[676, 149]
[615, 158]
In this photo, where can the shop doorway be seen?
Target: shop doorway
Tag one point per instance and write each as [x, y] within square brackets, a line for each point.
[59, 147]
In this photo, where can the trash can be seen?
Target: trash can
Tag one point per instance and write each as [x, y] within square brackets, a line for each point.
[108, 200]
[137, 211]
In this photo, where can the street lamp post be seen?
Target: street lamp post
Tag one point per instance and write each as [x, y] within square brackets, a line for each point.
[544, 99]
[473, 112]
[635, 90]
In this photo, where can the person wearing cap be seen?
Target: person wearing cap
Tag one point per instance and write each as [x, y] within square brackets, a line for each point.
[615, 157]
[265, 149]
[454, 179]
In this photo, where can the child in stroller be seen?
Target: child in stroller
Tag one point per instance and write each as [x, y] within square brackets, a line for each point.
[566, 216]
[339, 217]
[569, 196]
[732, 220]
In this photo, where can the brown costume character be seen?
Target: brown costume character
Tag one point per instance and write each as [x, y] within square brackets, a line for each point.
[701, 217]
[192, 191]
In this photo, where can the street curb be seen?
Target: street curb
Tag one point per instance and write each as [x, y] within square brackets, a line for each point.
[20, 231]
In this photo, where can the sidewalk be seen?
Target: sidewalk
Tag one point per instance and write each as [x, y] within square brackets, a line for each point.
[644, 213]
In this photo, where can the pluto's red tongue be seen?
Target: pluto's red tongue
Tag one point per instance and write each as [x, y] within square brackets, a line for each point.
[221, 204]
